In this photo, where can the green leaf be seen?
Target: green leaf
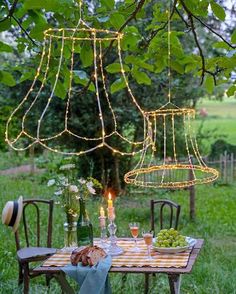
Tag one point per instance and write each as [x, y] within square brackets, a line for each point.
[86, 55]
[118, 85]
[221, 44]
[5, 47]
[5, 25]
[177, 67]
[48, 5]
[115, 67]
[231, 91]
[139, 62]
[28, 75]
[209, 84]
[233, 37]
[117, 20]
[108, 4]
[218, 10]
[7, 78]
[60, 90]
[141, 77]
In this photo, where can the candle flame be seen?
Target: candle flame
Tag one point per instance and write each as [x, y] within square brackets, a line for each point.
[109, 196]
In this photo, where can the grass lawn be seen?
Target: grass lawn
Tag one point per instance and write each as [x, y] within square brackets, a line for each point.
[214, 271]
[221, 118]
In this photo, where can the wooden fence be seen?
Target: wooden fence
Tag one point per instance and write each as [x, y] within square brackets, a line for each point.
[226, 165]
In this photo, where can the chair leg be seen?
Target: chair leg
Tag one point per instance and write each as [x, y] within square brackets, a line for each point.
[146, 286]
[48, 279]
[26, 278]
[174, 282]
[20, 276]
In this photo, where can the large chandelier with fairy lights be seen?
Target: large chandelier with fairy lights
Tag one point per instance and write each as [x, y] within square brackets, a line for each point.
[62, 50]
[166, 162]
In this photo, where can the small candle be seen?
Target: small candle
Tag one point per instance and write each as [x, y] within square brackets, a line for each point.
[102, 212]
[110, 203]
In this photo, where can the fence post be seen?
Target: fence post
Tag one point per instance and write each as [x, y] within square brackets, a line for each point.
[225, 167]
[232, 167]
[191, 196]
[32, 166]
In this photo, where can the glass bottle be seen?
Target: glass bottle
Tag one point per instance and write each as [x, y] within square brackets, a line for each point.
[84, 227]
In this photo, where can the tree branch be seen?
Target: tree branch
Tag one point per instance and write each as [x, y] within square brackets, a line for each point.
[191, 23]
[26, 33]
[155, 32]
[131, 17]
[182, 18]
[10, 11]
[10, 15]
[213, 31]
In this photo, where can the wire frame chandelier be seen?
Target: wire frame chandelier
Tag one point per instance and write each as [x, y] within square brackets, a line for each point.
[166, 162]
[61, 45]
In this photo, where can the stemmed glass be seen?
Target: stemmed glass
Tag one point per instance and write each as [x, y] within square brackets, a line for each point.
[148, 236]
[134, 229]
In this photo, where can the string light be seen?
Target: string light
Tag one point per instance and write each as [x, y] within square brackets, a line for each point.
[170, 172]
[98, 38]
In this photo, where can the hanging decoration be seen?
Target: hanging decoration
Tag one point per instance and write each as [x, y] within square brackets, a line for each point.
[165, 161]
[61, 45]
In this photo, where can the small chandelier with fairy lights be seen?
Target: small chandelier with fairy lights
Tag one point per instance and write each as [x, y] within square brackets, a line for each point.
[62, 46]
[168, 160]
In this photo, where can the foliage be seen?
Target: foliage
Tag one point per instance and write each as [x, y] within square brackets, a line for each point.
[220, 147]
[212, 272]
[197, 57]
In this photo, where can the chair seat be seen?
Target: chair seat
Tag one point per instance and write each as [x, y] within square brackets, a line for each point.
[35, 253]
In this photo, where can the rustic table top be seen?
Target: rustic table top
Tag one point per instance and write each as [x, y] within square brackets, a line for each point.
[170, 270]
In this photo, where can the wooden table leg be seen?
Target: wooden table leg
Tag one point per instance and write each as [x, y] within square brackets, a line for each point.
[174, 282]
[65, 286]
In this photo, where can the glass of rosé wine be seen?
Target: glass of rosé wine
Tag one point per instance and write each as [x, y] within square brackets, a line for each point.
[148, 236]
[134, 229]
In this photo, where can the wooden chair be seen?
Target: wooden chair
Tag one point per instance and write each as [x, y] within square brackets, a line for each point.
[173, 220]
[29, 254]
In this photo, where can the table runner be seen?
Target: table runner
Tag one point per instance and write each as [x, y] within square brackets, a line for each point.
[129, 258]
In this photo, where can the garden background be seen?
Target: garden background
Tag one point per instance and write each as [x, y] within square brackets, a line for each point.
[203, 76]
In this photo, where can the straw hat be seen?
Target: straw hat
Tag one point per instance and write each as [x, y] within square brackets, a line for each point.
[12, 212]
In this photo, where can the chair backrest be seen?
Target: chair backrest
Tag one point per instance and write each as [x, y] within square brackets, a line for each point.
[36, 205]
[164, 205]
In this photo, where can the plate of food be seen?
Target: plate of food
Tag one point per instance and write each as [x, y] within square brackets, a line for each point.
[171, 241]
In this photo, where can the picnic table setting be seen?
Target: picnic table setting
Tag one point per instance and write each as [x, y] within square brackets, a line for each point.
[104, 96]
[89, 260]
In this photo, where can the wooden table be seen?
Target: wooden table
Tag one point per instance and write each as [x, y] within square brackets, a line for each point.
[174, 274]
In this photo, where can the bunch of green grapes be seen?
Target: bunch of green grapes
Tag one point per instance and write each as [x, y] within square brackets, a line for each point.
[170, 238]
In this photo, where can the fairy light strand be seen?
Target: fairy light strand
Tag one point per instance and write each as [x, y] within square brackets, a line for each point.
[71, 34]
[147, 172]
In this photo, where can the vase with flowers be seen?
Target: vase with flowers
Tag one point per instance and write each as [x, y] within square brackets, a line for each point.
[71, 193]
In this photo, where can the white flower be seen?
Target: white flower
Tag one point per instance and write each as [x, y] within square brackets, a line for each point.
[57, 193]
[82, 181]
[67, 166]
[91, 190]
[73, 189]
[51, 182]
[89, 184]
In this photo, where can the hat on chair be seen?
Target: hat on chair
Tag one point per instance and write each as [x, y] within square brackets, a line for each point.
[11, 213]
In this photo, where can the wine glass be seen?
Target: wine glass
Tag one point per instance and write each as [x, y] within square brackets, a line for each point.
[134, 229]
[148, 236]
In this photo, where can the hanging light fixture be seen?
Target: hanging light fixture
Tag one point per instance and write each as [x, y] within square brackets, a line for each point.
[166, 162]
[61, 45]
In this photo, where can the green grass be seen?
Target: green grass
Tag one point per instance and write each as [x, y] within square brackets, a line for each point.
[221, 118]
[214, 271]
[222, 109]
[218, 124]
